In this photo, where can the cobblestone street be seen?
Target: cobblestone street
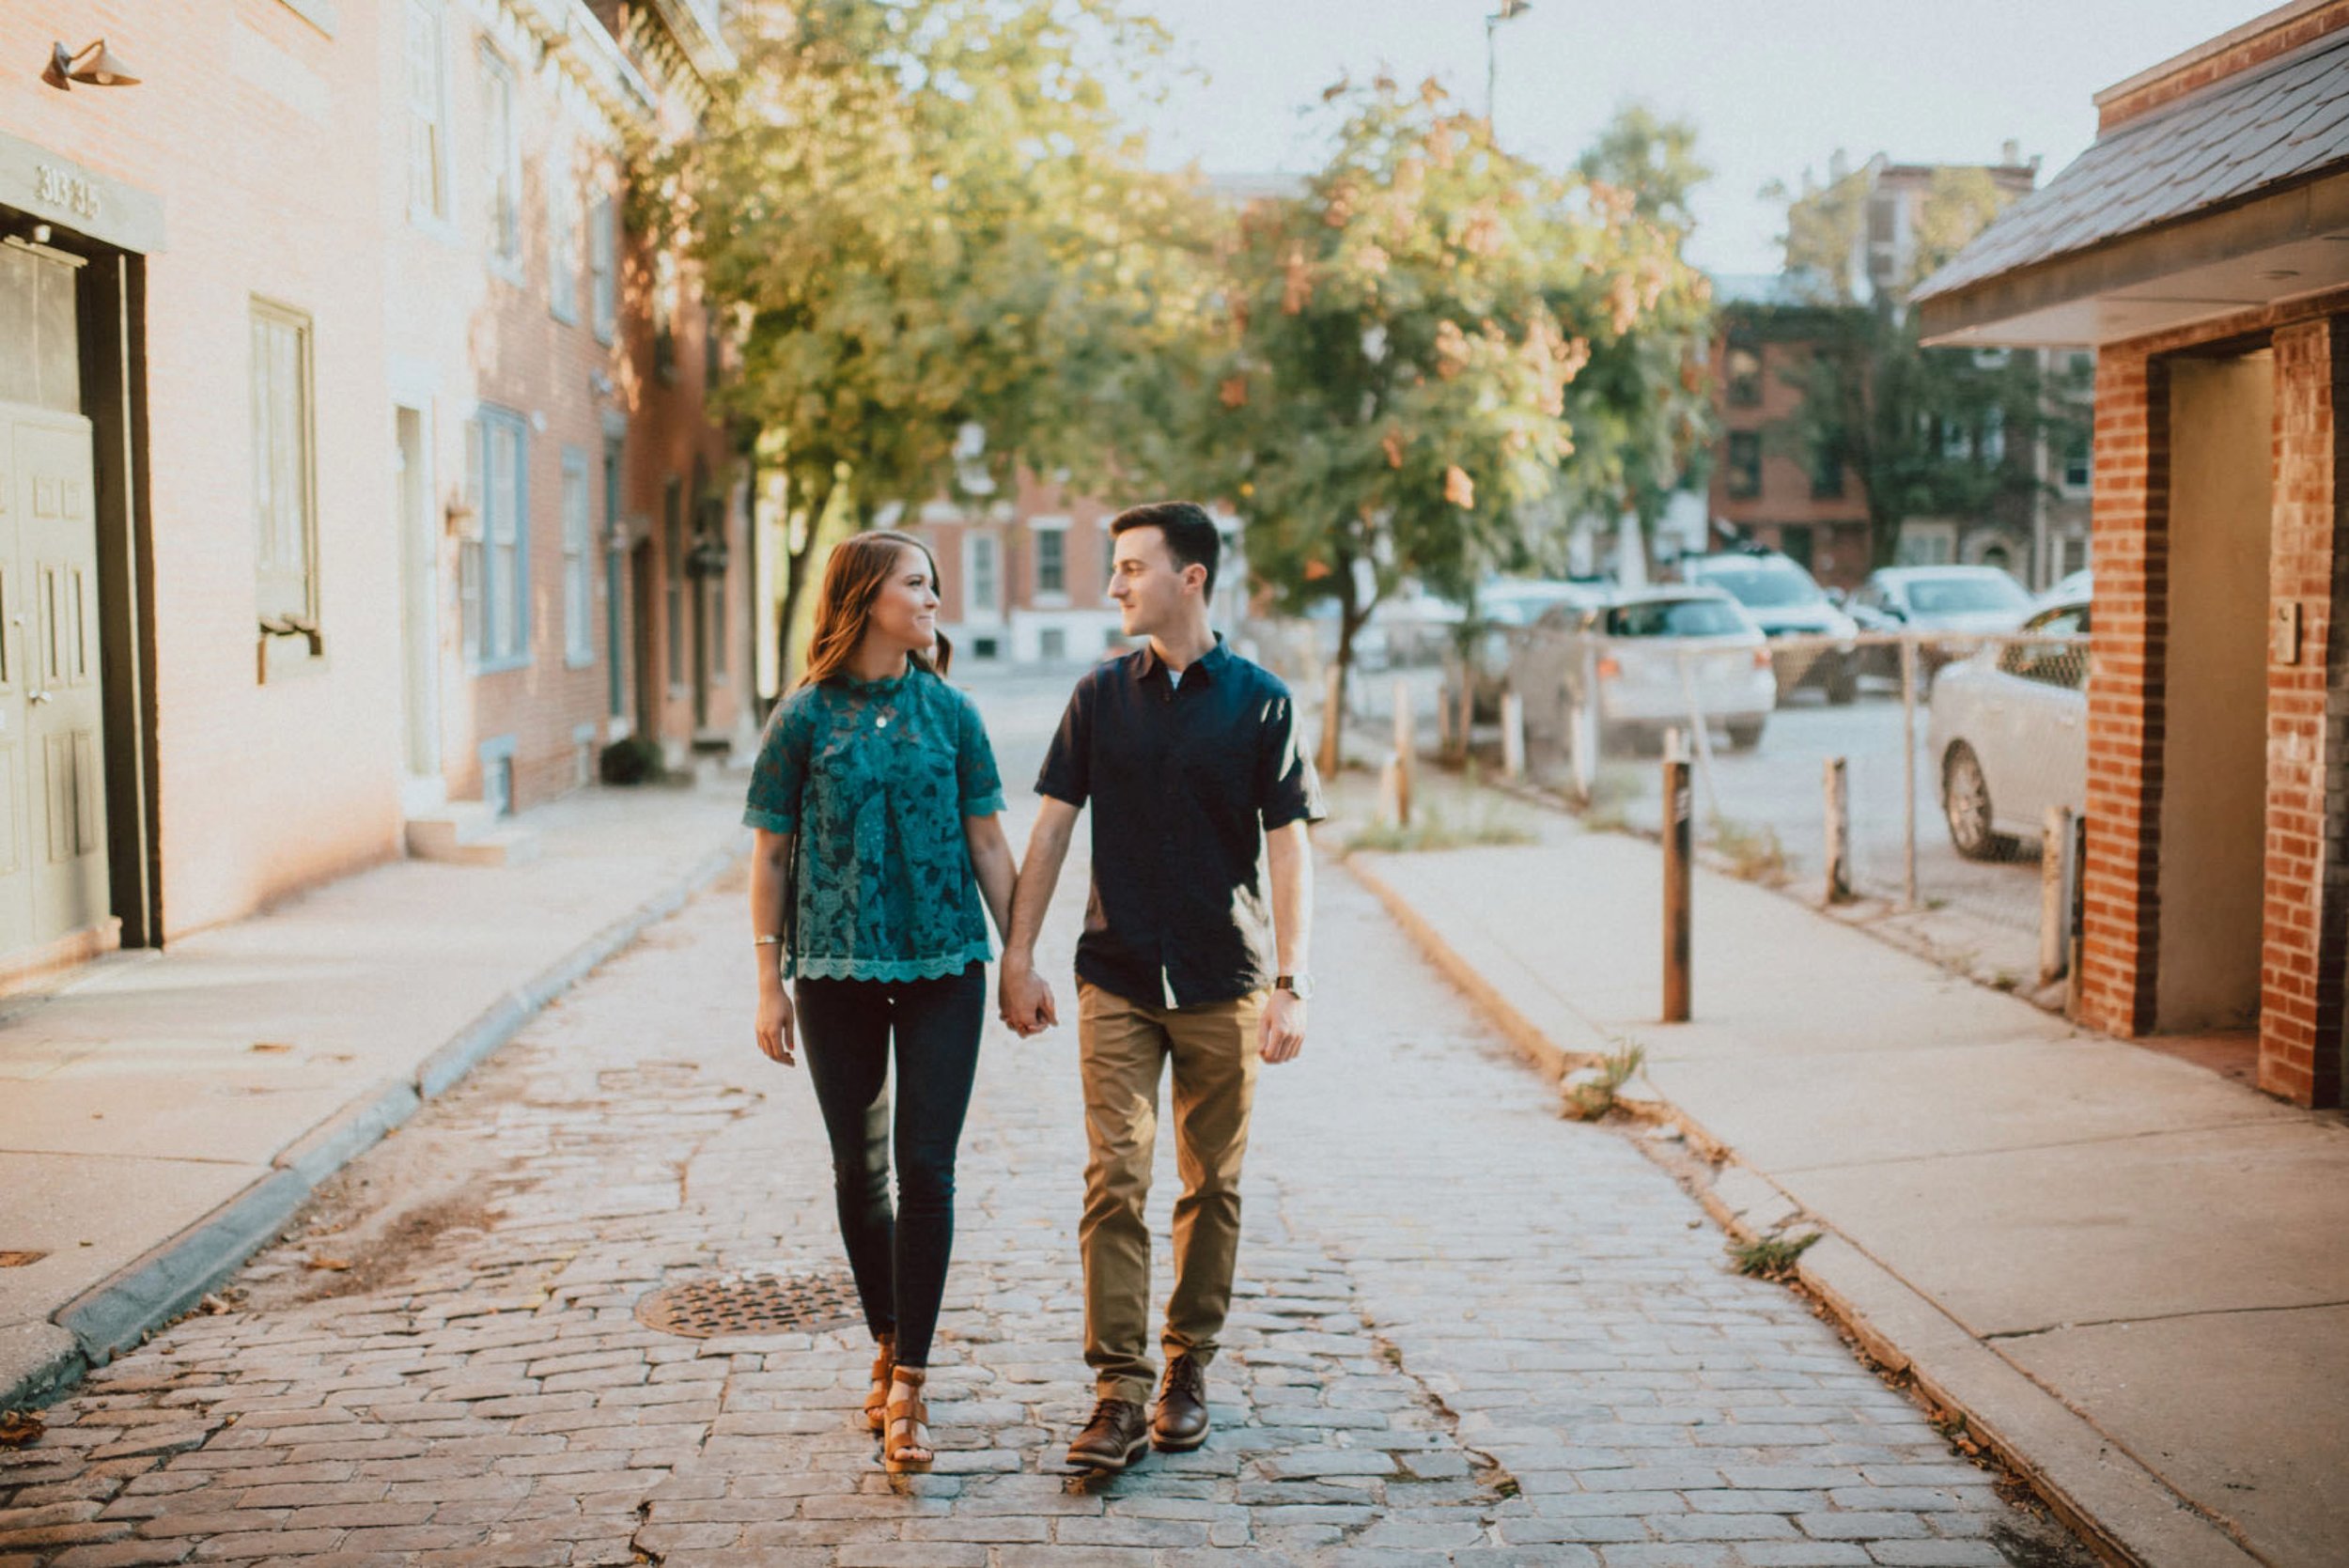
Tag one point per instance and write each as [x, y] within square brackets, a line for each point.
[1467, 1331]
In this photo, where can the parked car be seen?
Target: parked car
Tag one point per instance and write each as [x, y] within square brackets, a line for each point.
[2009, 736]
[1652, 656]
[1948, 601]
[1787, 601]
[2074, 585]
[1506, 606]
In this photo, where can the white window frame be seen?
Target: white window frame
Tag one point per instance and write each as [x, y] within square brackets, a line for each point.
[604, 265]
[563, 231]
[975, 606]
[494, 575]
[1039, 528]
[502, 160]
[579, 593]
[427, 110]
[285, 463]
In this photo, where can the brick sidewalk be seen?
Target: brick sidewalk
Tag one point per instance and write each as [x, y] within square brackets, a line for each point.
[1466, 1332]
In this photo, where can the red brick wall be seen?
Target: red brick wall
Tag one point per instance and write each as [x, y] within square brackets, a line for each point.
[2237, 58]
[1839, 524]
[2307, 729]
[2120, 881]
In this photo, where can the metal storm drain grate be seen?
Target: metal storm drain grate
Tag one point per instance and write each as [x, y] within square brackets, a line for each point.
[19, 1259]
[753, 1304]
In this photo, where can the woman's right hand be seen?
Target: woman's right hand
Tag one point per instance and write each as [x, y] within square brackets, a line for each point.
[775, 1022]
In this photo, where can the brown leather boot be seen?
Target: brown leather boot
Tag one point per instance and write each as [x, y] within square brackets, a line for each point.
[1179, 1425]
[1117, 1435]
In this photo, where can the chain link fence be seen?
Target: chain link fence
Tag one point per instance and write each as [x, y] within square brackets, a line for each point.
[1915, 767]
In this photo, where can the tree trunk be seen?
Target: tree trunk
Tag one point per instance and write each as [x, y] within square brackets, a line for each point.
[795, 560]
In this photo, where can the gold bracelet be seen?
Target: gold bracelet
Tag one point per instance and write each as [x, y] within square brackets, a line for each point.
[765, 942]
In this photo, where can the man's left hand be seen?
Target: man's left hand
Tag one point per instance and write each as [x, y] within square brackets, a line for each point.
[1281, 1033]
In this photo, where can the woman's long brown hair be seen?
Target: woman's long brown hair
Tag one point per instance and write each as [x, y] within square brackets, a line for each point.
[852, 579]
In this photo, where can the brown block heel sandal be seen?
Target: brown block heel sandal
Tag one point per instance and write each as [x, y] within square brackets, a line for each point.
[877, 1397]
[905, 1438]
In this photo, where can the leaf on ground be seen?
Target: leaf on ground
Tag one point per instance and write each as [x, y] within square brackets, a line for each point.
[20, 1429]
[337, 1265]
[272, 1046]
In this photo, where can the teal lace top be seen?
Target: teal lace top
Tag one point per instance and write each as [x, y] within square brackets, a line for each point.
[875, 777]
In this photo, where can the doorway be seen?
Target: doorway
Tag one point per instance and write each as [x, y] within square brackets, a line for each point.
[56, 893]
[2213, 746]
[642, 573]
[419, 629]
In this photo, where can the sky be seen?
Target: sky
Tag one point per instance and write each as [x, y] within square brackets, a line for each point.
[1773, 86]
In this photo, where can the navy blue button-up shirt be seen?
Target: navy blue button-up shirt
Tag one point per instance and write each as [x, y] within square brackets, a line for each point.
[1185, 782]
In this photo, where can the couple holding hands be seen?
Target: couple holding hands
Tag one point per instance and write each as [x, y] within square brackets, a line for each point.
[880, 856]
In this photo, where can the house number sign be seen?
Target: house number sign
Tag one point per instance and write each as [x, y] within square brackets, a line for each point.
[65, 189]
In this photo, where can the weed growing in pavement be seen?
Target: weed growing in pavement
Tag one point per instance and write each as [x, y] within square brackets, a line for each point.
[1590, 1092]
[1481, 825]
[1771, 1257]
[1754, 854]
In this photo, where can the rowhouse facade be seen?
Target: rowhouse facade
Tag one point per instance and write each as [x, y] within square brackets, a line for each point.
[336, 410]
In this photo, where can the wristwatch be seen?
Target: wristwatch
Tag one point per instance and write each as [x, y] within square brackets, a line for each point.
[1300, 985]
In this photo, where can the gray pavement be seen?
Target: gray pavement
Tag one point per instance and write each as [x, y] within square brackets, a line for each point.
[162, 1114]
[2123, 1267]
[1467, 1331]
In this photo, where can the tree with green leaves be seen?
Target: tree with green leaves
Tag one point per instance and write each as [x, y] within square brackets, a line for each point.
[1647, 418]
[1929, 432]
[1406, 374]
[937, 247]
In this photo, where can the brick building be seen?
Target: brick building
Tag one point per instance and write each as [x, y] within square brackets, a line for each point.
[1812, 504]
[2203, 245]
[1027, 580]
[305, 456]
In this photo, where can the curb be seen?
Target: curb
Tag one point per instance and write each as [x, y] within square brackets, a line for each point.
[173, 1277]
[2120, 1507]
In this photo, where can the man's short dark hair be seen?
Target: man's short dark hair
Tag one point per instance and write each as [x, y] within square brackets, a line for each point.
[1190, 533]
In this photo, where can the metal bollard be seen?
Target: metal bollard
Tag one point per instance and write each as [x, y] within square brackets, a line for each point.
[1511, 735]
[1908, 767]
[2076, 919]
[2055, 907]
[1679, 854]
[1838, 833]
[1406, 743]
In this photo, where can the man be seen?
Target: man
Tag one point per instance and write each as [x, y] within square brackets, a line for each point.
[1190, 756]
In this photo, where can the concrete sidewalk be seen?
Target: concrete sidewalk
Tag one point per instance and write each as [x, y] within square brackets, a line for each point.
[164, 1113]
[2129, 1274]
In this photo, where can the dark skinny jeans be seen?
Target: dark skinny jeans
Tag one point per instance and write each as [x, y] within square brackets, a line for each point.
[899, 1261]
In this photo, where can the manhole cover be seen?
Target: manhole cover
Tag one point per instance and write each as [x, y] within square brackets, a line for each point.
[753, 1304]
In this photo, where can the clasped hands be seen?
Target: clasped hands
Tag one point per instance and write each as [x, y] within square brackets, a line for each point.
[1023, 1000]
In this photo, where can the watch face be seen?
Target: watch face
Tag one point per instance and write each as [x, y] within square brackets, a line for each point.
[1298, 985]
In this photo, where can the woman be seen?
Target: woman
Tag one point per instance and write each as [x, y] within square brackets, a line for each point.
[880, 776]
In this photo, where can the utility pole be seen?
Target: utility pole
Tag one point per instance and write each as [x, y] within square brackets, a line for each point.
[1510, 10]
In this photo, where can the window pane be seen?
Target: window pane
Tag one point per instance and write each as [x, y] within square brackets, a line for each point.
[563, 234]
[1051, 573]
[578, 595]
[281, 467]
[603, 262]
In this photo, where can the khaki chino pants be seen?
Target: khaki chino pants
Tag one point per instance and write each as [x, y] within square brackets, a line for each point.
[1123, 1046]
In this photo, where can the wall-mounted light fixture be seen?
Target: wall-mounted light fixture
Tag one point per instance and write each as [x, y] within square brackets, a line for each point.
[93, 66]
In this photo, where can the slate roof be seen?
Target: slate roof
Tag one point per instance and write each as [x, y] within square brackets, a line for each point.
[2278, 124]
